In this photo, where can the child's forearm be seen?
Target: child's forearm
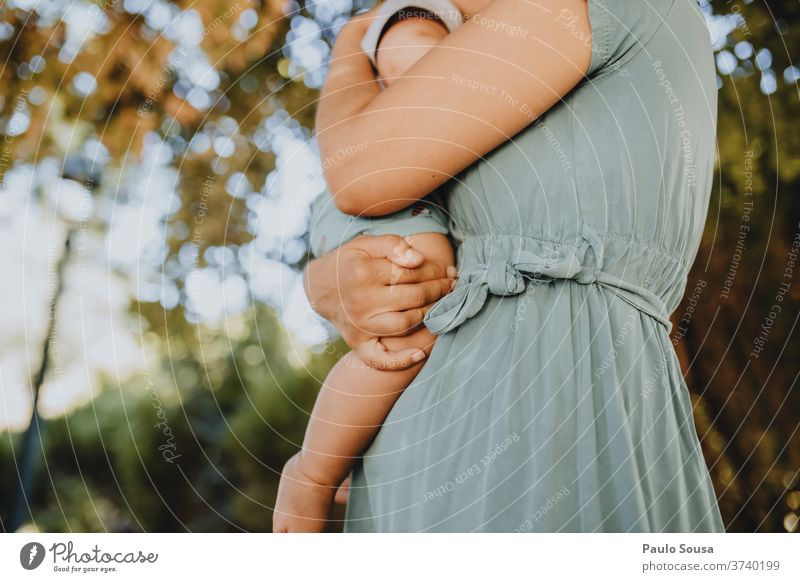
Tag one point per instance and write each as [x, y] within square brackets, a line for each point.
[349, 411]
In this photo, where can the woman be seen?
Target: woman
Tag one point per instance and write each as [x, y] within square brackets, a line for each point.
[552, 400]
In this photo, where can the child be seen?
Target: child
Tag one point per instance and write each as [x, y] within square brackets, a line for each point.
[355, 399]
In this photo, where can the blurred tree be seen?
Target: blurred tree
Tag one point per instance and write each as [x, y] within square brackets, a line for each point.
[741, 362]
[196, 446]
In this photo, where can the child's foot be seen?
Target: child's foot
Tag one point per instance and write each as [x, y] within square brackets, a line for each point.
[303, 505]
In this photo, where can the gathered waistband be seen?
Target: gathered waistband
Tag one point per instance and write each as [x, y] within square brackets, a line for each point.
[504, 267]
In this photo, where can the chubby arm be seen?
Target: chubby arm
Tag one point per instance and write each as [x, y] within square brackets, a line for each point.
[475, 90]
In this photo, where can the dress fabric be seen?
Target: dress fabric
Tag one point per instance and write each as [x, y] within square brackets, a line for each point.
[553, 400]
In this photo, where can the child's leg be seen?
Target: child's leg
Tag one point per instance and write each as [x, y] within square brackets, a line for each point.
[350, 409]
[346, 419]
[348, 413]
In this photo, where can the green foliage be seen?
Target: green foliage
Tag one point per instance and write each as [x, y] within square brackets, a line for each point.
[747, 401]
[110, 465]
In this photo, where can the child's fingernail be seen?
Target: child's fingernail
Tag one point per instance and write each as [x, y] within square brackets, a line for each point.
[453, 285]
[451, 272]
[418, 357]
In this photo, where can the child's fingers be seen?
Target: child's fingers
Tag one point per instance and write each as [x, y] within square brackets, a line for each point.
[375, 355]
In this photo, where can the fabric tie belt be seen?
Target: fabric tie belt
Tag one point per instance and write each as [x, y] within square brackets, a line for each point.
[510, 277]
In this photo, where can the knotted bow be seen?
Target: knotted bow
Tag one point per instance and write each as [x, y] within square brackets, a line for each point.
[499, 277]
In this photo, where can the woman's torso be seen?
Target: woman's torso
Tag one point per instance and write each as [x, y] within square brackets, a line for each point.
[629, 154]
[553, 401]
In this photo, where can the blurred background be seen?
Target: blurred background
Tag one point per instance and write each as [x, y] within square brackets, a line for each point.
[159, 360]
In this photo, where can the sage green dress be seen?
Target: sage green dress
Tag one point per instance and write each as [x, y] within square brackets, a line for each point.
[553, 400]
